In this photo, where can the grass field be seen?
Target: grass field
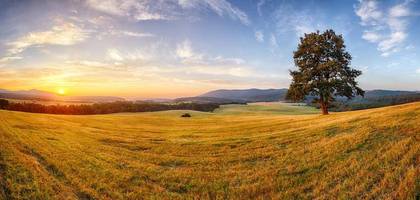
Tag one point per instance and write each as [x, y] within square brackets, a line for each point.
[267, 108]
[259, 151]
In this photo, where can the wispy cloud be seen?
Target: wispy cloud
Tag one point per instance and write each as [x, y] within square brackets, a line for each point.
[124, 56]
[260, 4]
[221, 7]
[299, 21]
[132, 34]
[273, 41]
[139, 10]
[259, 36]
[188, 55]
[386, 26]
[166, 10]
[9, 58]
[63, 34]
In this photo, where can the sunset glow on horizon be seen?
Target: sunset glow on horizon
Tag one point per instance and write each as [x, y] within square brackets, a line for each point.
[184, 48]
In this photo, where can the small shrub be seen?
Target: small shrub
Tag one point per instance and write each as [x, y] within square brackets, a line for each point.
[3, 103]
[186, 115]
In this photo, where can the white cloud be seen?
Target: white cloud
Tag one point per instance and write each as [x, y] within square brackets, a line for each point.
[166, 10]
[114, 54]
[259, 5]
[368, 12]
[9, 58]
[88, 63]
[237, 71]
[233, 61]
[391, 42]
[220, 7]
[119, 56]
[385, 26]
[200, 63]
[64, 34]
[259, 36]
[186, 53]
[299, 21]
[139, 10]
[400, 10]
[136, 34]
[418, 71]
[371, 36]
[273, 41]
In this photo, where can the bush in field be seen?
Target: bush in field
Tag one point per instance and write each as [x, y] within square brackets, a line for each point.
[3, 103]
[186, 115]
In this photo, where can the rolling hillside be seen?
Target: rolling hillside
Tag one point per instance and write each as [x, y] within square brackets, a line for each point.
[261, 153]
[249, 95]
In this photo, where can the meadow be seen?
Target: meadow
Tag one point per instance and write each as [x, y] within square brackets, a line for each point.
[257, 151]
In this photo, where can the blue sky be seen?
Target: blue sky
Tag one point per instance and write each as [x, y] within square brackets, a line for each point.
[169, 48]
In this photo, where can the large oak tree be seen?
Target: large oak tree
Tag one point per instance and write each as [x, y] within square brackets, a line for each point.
[323, 70]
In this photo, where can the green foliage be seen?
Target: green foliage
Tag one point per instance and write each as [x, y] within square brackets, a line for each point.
[323, 70]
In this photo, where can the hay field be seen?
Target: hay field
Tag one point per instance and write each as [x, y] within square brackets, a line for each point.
[247, 152]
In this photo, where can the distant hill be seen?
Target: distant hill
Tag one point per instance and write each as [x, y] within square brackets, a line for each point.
[48, 96]
[200, 99]
[249, 95]
[93, 98]
[28, 94]
[372, 98]
[381, 93]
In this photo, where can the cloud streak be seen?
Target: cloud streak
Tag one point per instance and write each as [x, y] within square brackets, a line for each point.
[64, 34]
[166, 10]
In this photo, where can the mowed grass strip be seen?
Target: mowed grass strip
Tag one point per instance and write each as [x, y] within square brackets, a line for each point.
[244, 153]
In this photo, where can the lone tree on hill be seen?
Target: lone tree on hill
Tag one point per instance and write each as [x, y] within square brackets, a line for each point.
[323, 70]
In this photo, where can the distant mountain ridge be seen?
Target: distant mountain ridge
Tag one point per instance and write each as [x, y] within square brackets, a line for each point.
[200, 99]
[248, 95]
[270, 95]
[34, 94]
[222, 96]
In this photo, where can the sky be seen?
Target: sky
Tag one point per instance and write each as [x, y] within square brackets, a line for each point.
[172, 48]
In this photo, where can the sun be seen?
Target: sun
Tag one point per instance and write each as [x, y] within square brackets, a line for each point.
[61, 91]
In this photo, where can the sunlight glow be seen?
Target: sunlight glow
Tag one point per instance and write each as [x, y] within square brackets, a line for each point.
[61, 91]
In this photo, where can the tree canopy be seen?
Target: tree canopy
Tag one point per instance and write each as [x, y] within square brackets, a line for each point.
[323, 70]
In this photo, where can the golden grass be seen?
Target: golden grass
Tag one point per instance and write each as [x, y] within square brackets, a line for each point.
[370, 154]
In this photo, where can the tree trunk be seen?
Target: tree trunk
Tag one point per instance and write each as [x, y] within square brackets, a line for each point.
[324, 108]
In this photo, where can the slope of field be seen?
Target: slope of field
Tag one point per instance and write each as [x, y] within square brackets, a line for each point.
[267, 108]
[369, 154]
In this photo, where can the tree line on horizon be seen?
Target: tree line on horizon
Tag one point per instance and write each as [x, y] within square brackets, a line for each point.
[104, 108]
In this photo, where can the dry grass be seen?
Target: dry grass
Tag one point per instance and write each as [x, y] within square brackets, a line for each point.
[370, 154]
